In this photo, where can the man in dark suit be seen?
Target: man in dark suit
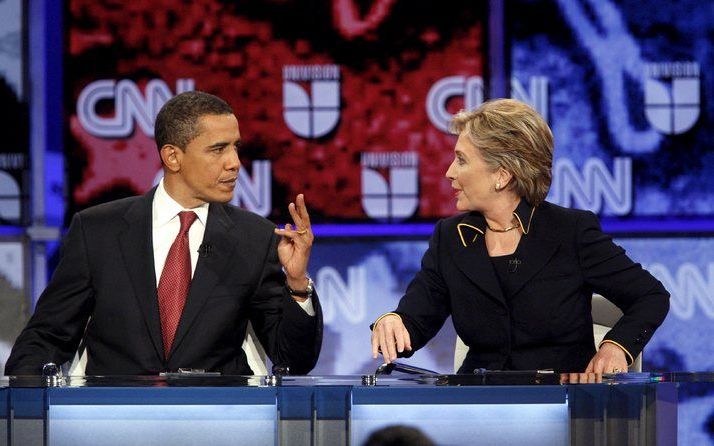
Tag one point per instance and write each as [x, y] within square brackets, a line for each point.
[171, 279]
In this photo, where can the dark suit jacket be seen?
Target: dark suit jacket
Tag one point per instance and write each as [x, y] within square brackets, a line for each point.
[565, 257]
[107, 273]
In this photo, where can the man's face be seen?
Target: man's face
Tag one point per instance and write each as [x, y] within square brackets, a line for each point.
[209, 163]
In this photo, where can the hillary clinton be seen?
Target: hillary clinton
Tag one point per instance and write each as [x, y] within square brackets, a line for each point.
[515, 272]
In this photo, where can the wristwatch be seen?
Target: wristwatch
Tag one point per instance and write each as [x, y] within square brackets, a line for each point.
[308, 290]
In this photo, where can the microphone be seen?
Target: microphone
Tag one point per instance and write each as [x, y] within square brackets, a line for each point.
[513, 265]
[205, 249]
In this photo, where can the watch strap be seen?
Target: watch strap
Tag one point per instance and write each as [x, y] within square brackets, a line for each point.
[306, 293]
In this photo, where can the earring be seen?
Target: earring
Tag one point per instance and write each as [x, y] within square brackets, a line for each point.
[498, 186]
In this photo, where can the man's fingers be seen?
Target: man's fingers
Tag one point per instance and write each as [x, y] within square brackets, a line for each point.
[294, 236]
[301, 236]
[287, 233]
[299, 224]
[291, 235]
[302, 210]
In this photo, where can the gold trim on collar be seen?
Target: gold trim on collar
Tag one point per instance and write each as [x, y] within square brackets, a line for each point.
[530, 220]
[461, 234]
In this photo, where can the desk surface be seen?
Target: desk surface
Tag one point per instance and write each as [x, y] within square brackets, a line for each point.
[482, 379]
[497, 408]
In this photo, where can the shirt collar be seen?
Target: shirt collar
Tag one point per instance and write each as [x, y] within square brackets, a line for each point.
[524, 213]
[166, 208]
[474, 225]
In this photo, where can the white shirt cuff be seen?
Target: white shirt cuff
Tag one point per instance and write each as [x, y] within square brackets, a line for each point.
[307, 306]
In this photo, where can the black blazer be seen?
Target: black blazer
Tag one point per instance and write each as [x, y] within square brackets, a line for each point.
[547, 324]
[107, 273]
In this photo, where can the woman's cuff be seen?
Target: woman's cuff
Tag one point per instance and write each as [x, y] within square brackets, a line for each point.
[630, 361]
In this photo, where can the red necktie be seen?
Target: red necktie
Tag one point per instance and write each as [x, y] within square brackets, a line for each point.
[174, 282]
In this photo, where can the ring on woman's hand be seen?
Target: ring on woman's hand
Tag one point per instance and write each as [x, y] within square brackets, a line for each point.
[616, 370]
[302, 231]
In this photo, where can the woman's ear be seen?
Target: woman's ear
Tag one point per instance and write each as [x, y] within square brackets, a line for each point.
[503, 178]
[170, 157]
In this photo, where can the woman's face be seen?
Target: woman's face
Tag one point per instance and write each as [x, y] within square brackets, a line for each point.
[473, 180]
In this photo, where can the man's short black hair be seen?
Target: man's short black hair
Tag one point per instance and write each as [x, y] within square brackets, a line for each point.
[177, 121]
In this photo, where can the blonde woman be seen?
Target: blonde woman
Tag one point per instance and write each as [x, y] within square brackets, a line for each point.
[515, 272]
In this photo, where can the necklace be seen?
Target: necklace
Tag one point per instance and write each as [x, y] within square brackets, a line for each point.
[516, 224]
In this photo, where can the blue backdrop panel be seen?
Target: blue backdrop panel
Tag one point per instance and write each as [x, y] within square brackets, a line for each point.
[625, 87]
[685, 268]
[358, 281]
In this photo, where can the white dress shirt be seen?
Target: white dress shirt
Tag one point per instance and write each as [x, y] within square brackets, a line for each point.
[165, 226]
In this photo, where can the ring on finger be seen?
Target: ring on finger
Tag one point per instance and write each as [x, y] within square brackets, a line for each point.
[302, 231]
[616, 370]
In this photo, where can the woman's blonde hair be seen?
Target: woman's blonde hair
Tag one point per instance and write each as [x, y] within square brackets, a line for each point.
[511, 135]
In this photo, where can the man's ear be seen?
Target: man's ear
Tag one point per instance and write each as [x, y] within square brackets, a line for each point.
[171, 157]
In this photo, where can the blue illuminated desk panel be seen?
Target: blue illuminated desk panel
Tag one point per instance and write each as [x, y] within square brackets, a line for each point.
[337, 410]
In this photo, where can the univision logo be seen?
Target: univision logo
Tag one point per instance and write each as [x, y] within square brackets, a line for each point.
[315, 114]
[395, 198]
[672, 96]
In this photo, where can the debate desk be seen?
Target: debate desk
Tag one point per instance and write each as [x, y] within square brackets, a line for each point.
[483, 409]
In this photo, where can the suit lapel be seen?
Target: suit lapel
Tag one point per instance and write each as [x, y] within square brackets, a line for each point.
[534, 254]
[137, 251]
[534, 249]
[221, 236]
[472, 257]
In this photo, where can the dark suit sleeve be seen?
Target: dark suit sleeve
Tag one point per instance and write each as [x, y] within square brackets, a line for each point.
[290, 336]
[609, 271]
[425, 305]
[57, 325]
